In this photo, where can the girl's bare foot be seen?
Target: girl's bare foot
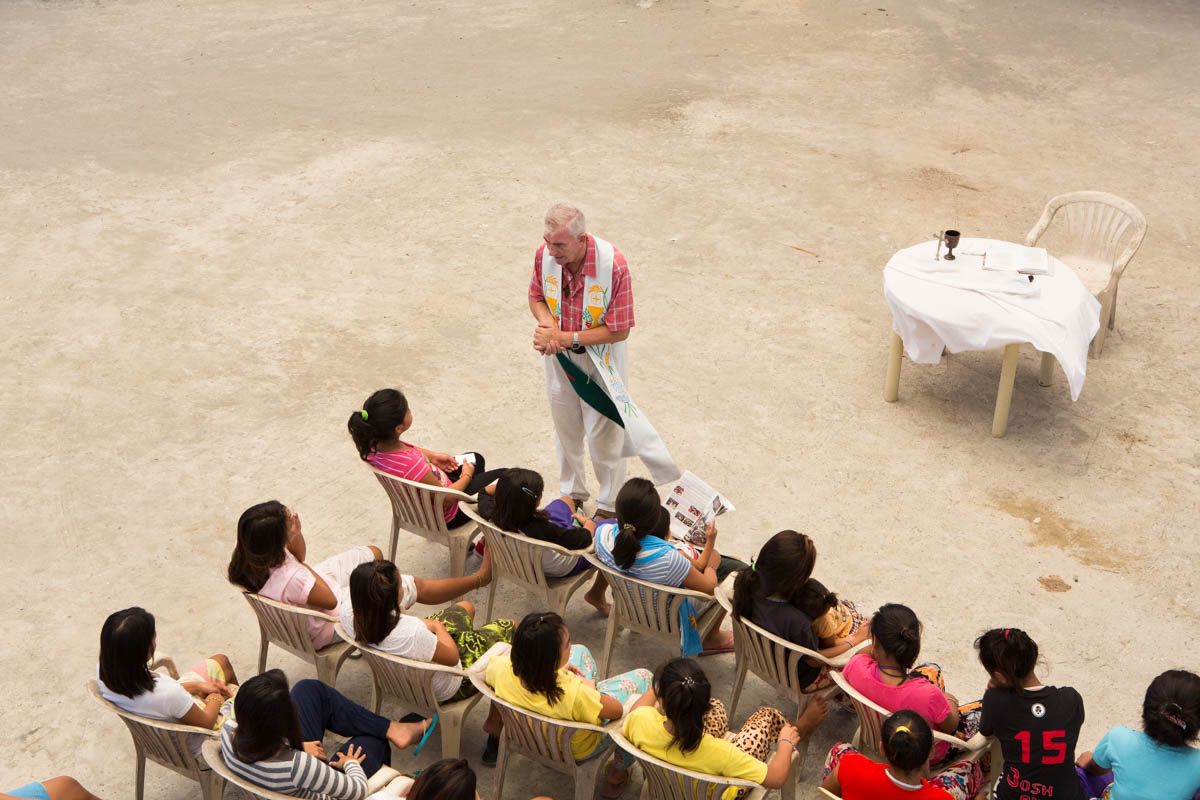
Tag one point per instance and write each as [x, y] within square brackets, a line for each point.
[405, 734]
[597, 600]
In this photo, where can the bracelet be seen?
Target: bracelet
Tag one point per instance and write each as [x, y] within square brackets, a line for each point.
[789, 741]
[478, 581]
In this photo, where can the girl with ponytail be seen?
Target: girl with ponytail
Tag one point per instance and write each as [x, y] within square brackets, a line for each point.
[1161, 761]
[636, 543]
[889, 676]
[1037, 725]
[376, 429]
[449, 637]
[906, 741]
[778, 594]
[679, 721]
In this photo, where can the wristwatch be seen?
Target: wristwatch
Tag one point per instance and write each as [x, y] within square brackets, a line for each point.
[575, 340]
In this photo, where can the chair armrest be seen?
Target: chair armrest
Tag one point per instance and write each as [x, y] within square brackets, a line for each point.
[167, 663]
[978, 742]
[841, 660]
[479, 668]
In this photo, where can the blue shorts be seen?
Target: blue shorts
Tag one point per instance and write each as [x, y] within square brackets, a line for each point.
[32, 791]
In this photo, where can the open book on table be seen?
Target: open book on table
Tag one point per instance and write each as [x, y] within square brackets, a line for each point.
[1008, 257]
[693, 504]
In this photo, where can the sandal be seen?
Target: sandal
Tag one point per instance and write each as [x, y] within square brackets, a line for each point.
[726, 647]
[424, 738]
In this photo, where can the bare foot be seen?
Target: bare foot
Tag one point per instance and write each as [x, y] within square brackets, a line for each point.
[718, 640]
[814, 714]
[598, 601]
[405, 734]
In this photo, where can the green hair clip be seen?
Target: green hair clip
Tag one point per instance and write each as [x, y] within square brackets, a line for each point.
[364, 414]
[752, 567]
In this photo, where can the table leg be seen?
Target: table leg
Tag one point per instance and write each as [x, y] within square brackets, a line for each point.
[892, 389]
[1008, 374]
[1047, 371]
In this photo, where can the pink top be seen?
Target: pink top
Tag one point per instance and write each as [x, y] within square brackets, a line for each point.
[291, 583]
[618, 317]
[411, 464]
[915, 694]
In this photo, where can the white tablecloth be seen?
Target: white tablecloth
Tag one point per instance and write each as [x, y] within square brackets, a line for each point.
[960, 306]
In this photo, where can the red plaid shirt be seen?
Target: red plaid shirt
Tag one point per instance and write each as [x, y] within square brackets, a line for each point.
[619, 316]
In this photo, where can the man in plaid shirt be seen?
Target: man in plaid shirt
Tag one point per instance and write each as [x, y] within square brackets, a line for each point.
[575, 250]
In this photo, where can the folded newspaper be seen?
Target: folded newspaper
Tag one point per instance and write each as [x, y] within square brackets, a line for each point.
[693, 504]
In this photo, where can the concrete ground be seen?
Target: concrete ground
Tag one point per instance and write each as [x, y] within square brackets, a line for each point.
[222, 225]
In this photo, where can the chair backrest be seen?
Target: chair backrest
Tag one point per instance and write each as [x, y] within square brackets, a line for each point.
[539, 738]
[408, 680]
[166, 743]
[665, 781]
[515, 555]
[286, 625]
[871, 716]
[826, 793]
[418, 507]
[1095, 224]
[216, 760]
[772, 658]
[647, 607]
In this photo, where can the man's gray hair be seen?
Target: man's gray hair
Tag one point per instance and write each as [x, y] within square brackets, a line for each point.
[561, 214]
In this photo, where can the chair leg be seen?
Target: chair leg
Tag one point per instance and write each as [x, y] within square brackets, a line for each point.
[459, 545]
[328, 667]
[1106, 308]
[451, 725]
[491, 597]
[1112, 314]
[610, 634]
[1046, 374]
[140, 771]
[212, 785]
[1008, 374]
[376, 694]
[501, 767]
[263, 644]
[395, 538]
[586, 775]
[891, 388]
[739, 678]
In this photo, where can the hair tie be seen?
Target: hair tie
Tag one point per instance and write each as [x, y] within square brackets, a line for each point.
[364, 414]
[1171, 718]
[1006, 630]
[528, 491]
[752, 567]
[902, 729]
[688, 681]
[628, 527]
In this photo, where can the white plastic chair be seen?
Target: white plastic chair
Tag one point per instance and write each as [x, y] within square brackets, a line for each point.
[650, 608]
[541, 739]
[776, 661]
[1096, 224]
[216, 759]
[870, 729]
[417, 508]
[167, 743]
[411, 682]
[665, 781]
[286, 626]
[826, 793]
[518, 558]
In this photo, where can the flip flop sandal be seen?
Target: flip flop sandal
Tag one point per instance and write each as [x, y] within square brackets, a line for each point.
[725, 648]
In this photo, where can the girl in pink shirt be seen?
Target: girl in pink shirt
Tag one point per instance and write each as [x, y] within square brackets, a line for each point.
[376, 429]
[887, 677]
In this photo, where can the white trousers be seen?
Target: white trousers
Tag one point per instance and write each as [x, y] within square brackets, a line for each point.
[573, 418]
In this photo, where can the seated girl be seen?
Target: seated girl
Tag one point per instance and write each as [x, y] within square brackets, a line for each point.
[1159, 762]
[60, 788]
[276, 738]
[906, 741]
[517, 495]
[1037, 725]
[372, 616]
[546, 674]
[448, 779]
[199, 697]
[886, 676]
[376, 429]
[269, 560]
[835, 621]
[679, 721]
[778, 595]
[636, 544]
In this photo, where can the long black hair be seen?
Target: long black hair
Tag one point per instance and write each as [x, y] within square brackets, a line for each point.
[639, 514]
[375, 600]
[266, 717]
[784, 565]
[262, 537]
[685, 694]
[1009, 653]
[448, 779]
[517, 494]
[126, 647]
[1171, 710]
[536, 649]
[815, 599]
[377, 420]
[906, 740]
[896, 629]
